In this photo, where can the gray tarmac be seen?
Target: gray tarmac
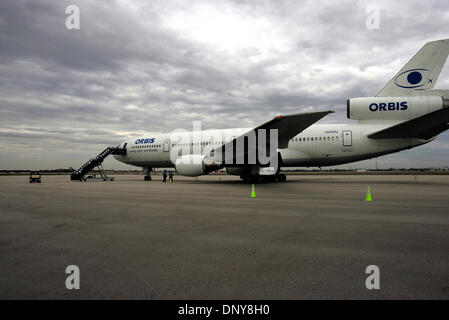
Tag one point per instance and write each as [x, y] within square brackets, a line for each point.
[309, 238]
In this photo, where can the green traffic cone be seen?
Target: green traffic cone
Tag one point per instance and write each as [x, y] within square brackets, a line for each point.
[368, 197]
[253, 192]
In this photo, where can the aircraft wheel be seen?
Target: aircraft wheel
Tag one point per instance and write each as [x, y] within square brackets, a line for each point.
[254, 179]
[147, 178]
[281, 177]
[269, 178]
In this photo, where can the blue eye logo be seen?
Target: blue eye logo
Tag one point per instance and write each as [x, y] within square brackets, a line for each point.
[411, 78]
[414, 77]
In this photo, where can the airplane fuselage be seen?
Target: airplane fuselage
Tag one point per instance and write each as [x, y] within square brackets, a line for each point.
[318, 146]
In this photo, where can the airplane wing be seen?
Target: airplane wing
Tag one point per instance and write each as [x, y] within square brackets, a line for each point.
[290, 125]
[424, 127]
[287, 127]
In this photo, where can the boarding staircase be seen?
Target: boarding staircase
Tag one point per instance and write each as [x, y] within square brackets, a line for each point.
[96, 162]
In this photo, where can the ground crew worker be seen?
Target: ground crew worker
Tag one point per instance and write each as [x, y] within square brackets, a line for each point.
[164, 175]
[170, 176]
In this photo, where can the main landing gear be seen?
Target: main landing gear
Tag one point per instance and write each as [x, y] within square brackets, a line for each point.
[147, 176]
[280, 177]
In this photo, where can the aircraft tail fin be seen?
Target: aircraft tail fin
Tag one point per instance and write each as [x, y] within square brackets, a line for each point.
[420, 73]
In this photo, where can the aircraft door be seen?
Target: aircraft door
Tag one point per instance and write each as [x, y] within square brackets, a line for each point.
[167, 145]
[347, 138]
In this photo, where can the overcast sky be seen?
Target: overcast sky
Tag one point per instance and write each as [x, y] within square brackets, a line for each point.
[143, 66]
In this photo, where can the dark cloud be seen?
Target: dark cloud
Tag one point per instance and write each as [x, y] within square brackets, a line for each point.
[137, 66]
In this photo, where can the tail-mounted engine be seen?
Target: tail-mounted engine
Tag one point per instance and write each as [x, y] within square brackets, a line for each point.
[393, 108]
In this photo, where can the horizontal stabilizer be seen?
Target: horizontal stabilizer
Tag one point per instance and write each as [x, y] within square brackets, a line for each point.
[424, 127]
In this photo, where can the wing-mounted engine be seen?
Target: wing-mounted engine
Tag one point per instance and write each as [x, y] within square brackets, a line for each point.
[196, 165]
[393, 108]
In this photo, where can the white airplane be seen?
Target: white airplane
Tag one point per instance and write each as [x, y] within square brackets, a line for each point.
[405, 114]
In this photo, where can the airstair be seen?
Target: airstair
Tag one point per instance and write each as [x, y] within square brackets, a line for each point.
[96, 162]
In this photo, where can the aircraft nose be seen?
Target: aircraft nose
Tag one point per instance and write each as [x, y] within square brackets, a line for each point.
[121, 154]
[123, 145]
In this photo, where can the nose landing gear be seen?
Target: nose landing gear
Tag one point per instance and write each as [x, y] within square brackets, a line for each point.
[147, 176]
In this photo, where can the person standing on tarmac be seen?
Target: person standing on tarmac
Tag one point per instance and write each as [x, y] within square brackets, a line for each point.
[164, 176]
[170, 176]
